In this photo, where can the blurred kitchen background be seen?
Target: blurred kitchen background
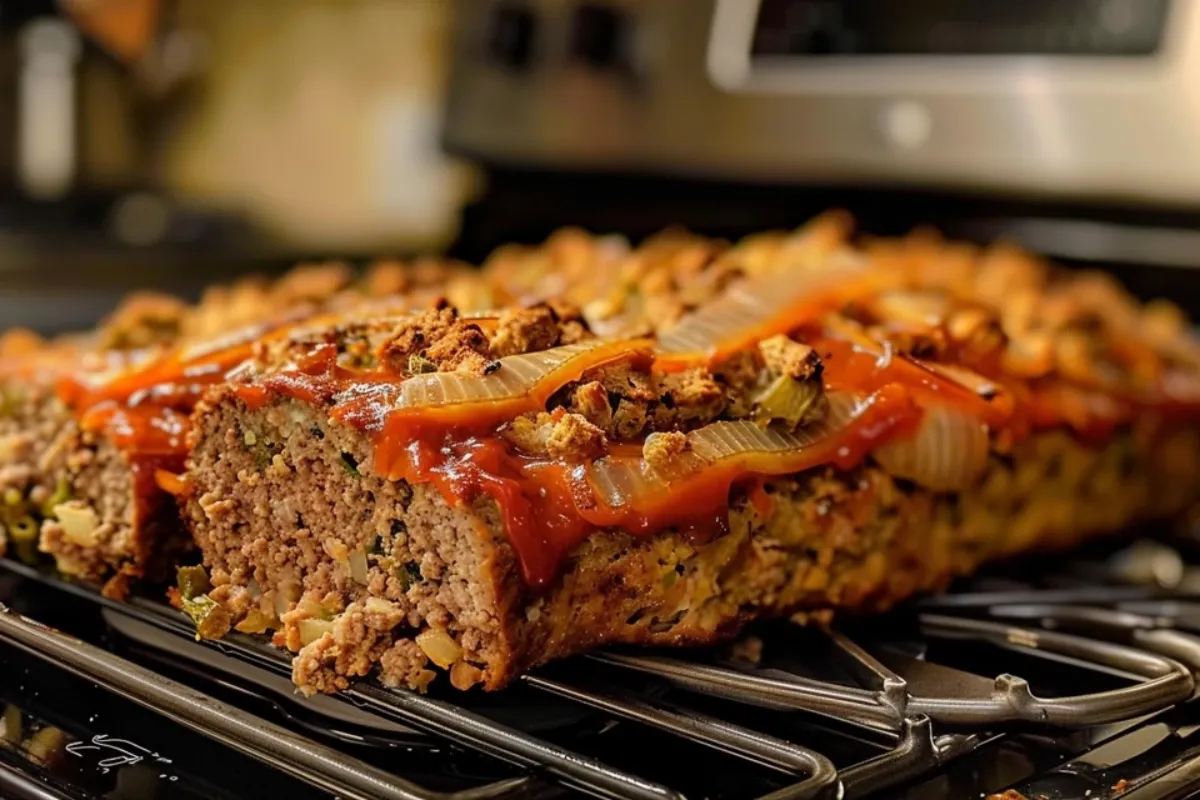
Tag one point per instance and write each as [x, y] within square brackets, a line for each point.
[169, 143]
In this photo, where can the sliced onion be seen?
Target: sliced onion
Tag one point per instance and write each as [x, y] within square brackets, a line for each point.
[357, 563]
[313, 629]
[760, 307]
[79, 523]
[439, 646]
[623, 481]
[964, 377]
[521, 383]
[912, 307]
[948, 451]
[532, 375]
[723, 440]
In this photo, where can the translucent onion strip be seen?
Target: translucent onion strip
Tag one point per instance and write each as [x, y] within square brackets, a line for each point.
[947, 452]
[620, 482]
[964, 377]
[203, 362]
[760, 307]
[520, 383]
[517, 376]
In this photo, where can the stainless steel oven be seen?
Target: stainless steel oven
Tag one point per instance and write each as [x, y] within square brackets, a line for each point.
[1089, 98]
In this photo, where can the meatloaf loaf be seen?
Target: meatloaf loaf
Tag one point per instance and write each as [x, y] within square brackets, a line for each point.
[89, 424]
[788, 425]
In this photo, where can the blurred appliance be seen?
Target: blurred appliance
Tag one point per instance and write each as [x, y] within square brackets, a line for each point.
[1082, 98]
[1070, 126]
[84, 215]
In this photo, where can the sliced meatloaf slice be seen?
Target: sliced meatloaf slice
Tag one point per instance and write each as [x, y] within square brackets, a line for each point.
[68, 492]
[92, 427]
[360, 572]
[464, 540]
[33, 422]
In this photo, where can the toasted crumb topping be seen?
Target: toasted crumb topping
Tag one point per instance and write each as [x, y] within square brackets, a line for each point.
[464, 347]
[565, 436]
[142, 320]
[590, 400]
[688, 399]
[997, 311]
[311, 282]
[663, 450]
[785, 356]
[440, 338]
[740, 374]
[526, 330]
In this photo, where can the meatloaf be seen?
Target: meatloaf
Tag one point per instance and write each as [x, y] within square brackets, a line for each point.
[90, 424]
[791, 424]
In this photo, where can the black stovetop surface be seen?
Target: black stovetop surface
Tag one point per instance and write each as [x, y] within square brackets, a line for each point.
[904, 706]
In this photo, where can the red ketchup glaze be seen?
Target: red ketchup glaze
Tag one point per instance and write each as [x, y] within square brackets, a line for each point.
[142, 400]
[546, 507]
[534, 499]
[550, 507]
[853, 368]
[888, 412]
[144, 429]
[144, 410]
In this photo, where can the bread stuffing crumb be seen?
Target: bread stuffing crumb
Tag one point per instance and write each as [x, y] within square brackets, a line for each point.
[662, 451]
[567, 436]
[786, 356]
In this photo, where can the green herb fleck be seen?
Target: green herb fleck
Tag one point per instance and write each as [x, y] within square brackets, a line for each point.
[192, 581]
[211, 618]
[408, 574]
[62, 493]
[24, 530]
[420, 365]
[23, 533]
[786, 400]
[350, 464]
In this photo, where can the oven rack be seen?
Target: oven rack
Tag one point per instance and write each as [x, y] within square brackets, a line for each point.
[925, 714]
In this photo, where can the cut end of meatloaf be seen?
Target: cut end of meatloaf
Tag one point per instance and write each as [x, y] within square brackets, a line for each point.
[31, 421]
[77, 497]
[352, 570]
[356, 573]
[109, 519]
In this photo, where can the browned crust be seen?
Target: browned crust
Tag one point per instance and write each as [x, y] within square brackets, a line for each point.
[850, 542]
[858, 541]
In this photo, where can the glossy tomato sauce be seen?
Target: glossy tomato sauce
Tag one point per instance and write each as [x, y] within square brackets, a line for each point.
[549, 507]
